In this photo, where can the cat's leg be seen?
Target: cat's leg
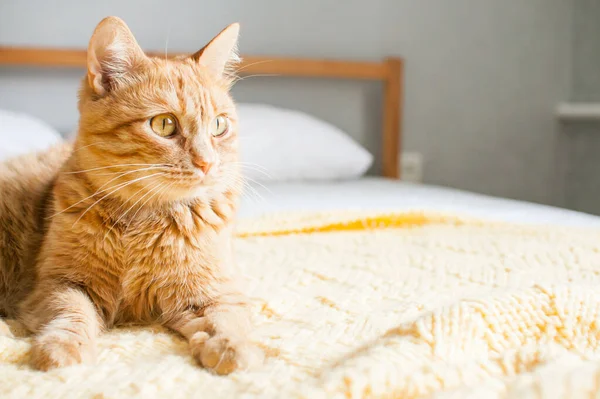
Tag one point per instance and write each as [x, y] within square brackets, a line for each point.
[218, 335]
[65, 323]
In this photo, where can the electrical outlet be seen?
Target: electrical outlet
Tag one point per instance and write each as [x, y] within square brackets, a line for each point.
[411, 167]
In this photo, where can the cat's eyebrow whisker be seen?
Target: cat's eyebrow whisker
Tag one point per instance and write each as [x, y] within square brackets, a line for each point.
[251, 64]
[114, 191]
[255, 76]
[119, 166]
[167, 64]
[167, 43]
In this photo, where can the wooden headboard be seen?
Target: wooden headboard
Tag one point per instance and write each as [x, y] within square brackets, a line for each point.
[389, 72]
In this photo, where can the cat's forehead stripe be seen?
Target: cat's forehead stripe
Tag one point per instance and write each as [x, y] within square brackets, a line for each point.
[209, 102]
[189, 86]
[172, 99]
[204, 99]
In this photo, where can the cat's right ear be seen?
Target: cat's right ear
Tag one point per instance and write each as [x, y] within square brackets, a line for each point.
[113, 53]
[220, 54]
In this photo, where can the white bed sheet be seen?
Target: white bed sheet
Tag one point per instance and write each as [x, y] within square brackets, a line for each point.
[376, 193]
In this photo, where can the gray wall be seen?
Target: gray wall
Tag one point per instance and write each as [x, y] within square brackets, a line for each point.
[581, 139]
[483, 76]
[586, 51]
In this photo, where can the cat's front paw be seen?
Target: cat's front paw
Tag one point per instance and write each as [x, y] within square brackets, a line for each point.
[224, 355]
[54, 351]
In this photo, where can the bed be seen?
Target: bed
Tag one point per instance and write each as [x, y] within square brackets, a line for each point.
[367, 286]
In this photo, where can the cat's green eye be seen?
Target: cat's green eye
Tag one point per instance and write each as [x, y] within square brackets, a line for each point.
[220, 126]
[164, 125]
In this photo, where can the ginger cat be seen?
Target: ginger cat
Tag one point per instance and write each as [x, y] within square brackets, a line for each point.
[133, 223]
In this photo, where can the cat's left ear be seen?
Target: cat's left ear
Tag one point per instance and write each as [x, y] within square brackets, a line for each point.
[221, 52]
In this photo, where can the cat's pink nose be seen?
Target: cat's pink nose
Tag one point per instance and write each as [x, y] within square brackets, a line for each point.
[204, 166]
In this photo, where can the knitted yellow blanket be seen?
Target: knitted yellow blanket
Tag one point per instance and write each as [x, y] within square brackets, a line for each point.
[379, 306]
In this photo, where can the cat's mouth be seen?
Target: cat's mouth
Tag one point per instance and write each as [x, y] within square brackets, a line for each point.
[203, 178]
[193, 176]
[194, 182]
[198, 179]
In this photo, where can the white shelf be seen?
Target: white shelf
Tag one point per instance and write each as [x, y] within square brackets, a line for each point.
[578, 111]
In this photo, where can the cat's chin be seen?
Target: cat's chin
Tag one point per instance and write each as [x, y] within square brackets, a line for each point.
[201, 191]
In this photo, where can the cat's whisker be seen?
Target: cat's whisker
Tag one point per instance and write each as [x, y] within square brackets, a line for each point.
[249, 194]
[161, 189]
[231, 180]
[252, 196]
[262, 172]
[258, 183]
[250, 168]
[131, 207]
[114, 213]
[100, 189]
[114, 191]
[250, 164]
[254, 167]
[119, 166]
[257, 196]
[128, 173]
[171, 170]
[236, 177]
[247, 189]
[253, 189]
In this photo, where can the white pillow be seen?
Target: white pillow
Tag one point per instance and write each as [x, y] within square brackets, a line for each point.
[290, 145]
[22, 133]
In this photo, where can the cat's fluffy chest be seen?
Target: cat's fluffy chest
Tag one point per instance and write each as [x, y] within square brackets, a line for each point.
[167, 263]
